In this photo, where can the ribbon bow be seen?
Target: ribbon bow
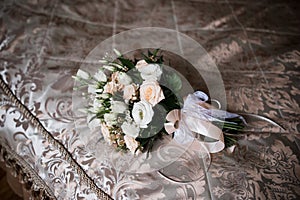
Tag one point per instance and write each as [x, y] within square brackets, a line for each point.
[196, 117]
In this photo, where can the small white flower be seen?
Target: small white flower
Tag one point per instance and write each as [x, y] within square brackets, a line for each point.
[82, 74]
[117, 52]
[103, 96]
[118, 107]
[97, 104]
[150, 72]
[131, 144]
[92, 89]
[103, 61]
[110, 119]
[151, 92]
[108, 67]
[131, 129]
[100, 90]
[100, 76]
[142, 113]
[124, 79]
[129, 91]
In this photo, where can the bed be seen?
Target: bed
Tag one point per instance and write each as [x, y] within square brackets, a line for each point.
[254, 44]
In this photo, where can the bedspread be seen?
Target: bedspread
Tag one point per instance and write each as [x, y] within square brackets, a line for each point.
[255, 44]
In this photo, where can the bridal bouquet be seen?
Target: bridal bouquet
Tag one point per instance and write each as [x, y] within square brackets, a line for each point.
[132, 109]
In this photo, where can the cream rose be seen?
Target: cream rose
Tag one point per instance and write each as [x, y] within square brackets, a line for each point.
[151, 92]
[131, 144]
[142, 113]
[150, 72]
[140, 64]
[114, 85]
[114, 77]
[131, 129]
[110, 87]
[129, 91]
[118, 107]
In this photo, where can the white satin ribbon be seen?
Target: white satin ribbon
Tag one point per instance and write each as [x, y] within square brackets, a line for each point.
[192, 119]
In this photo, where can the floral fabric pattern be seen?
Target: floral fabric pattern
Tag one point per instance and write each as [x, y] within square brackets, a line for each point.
[254, 44]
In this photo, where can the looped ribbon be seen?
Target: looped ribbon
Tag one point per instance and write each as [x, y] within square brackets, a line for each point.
[195, 118]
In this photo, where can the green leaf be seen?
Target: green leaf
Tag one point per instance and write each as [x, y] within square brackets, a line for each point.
[160, 60]
[174, 81]
[229, 141]
[94, 117]
[152, 57]
[171, 101]
[126, 62]
[155, 52]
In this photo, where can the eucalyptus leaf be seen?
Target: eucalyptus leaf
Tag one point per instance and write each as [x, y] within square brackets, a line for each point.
[174, 81]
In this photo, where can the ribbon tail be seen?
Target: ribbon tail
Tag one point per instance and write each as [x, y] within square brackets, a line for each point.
[259, 124]
[214, 138]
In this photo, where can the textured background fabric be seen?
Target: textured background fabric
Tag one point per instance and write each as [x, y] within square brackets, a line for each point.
[254, 44]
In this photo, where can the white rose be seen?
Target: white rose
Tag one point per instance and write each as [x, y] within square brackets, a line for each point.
[82, 74]
[118, 107]
[151, 92]
[129, 92]
[124, 79]
[140, 64]
[110, 119]
[142, 113]
[131, 144]
[106, 134]
[131, 129]
[150, 72]
[100, 76]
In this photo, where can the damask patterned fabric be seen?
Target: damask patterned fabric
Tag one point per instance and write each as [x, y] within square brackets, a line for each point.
[255, 44]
